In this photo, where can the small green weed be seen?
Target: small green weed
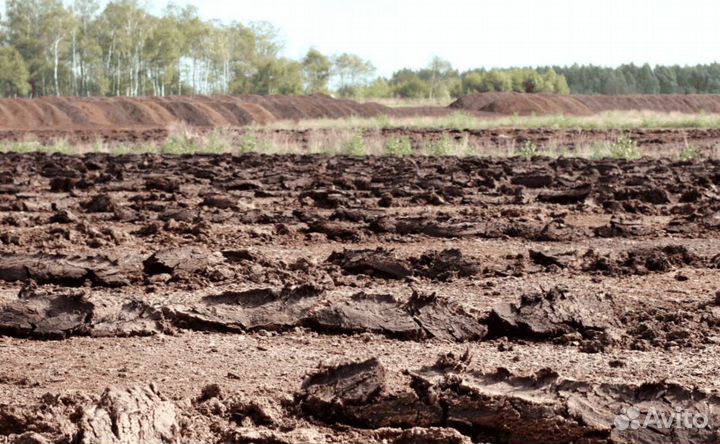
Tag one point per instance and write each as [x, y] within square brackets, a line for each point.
[624, 148]
[398, 147]
[247, 145]
[460, 121]
[354, 146]
[440, 147]
[688, 154]
[528, 150]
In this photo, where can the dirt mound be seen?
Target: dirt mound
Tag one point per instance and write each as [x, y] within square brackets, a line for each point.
[124, 113]
[509, 103]
[160, 112]
[523, 104]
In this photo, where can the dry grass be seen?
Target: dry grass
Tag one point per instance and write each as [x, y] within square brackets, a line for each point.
[359, 137]
[354, 142]
[396, 102]
[464, 121]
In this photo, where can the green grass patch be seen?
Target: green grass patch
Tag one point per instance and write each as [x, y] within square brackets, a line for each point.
[354, 146]
[688, 154]
[447, 146]
[528, 150]
[623, 148]
[398, 147]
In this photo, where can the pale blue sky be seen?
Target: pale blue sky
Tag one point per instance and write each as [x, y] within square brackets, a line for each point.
[499, 33]
[480, 33]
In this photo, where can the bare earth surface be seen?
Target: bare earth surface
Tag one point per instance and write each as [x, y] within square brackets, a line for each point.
[316, 299]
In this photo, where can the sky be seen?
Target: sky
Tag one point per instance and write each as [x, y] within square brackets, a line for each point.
[394, 34]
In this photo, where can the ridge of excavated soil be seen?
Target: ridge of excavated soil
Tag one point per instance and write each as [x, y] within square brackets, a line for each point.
[108, 113]
[510, 103]
[104, 115]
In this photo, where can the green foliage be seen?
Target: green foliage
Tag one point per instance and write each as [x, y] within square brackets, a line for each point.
[189, 142]
[248, 144]
[514, 79]
[379, 88]
[554, 83]
[472, 81]
[634, 79]
[316, 68]
[575, 79]
[215, 143]
[460, 121]
[624, 148]
[688, 154]
[186, 142]
[26, 147]
[561, 86]
[497, 81]
[412, 88]
[382, 121]
[351, 72]
[14, 75]
[276, 76]
[527, 150]
[398, 147]
[179, 145]
[441, 74]
[354, 146]
[527, 80]
[441, 147]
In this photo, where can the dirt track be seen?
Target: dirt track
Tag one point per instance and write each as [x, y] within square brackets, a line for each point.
[237, 285]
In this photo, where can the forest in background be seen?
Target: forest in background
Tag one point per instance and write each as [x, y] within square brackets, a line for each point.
[48, 47]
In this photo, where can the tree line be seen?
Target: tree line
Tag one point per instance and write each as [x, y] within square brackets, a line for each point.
[48, 47]
[440, 80]
[634, 79]
[83, 49]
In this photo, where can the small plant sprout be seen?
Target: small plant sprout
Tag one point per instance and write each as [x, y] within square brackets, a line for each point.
[624, 148]
[688, 154]
[528, 150]
[398, 147]
[354, 146]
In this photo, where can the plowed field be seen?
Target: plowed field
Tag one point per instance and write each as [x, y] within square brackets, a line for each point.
[338, 299]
